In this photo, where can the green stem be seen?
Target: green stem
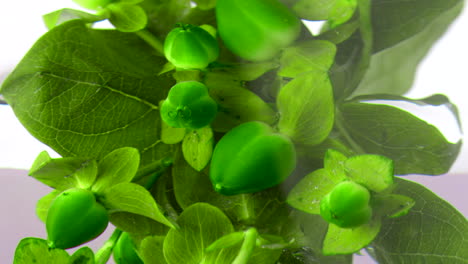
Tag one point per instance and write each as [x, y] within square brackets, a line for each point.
[151, 40]
[339, 124]
[247, 247]
[155, 167]
[104, 253]
[247, 213]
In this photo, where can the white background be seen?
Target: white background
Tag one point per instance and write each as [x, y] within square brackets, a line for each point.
[443, 71]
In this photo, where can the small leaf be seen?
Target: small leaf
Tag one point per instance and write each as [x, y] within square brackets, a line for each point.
[137, 224]
[373, 171]
[119, 166]
[247, 71]
[392, 205]
[433, 231]
[336, 11]
[57, 173]
[334, 162]
[127, 17]
[312, 55]
[308, 193]
[226, 241]
[58, 17]
[171, 135]
[340, 33]
[43, 205]
[349, 240]
[35, 250]
[86, 175]
[201, 224]
[205, 4]
[83, 255]
[306, 106]
[197, 147]
[151, 250]
[135, 199]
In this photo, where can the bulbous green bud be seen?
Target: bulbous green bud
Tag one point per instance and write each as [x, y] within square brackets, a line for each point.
[190, 47]
[188, 105]
[256, 30]
[250, 158]
[125, 252]
[75, 217]
[347, 205]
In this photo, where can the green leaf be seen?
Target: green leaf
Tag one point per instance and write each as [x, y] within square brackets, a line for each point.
[334, 162]
[226, 241]
[135, 199]
[87, 174]
[375, 172]
[236, 104]
[392, 205]
[246, 71]
[119, 166]
[312, 55]
[127, 17]
[58, 17]
[151, 250]
[404, 34]
[86, 92]
[340, 33]
[164, 14]
[83, 255]
[349, 240]
[304, 256]
[336, 11]
[205, 4]
[307, 108]
[43, 205]
[200, 225]
[137, 224]
[308, 193]
[414, 145]
[171, 135]
[197, 147]
[433, 231]
[57, 173]
[35, 250]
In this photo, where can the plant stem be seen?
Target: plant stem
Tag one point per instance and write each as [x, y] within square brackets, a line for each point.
[151, 40]
[155, 167]
[104, 253]
[339, 124]
[247, 247]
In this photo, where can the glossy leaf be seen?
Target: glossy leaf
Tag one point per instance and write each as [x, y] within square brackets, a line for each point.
[414, 145]
[313, 55]
[127, 17]
[373, 171]
[135, 199]
[197, 147]
[86, 92]
[411, 238]
[35, 250]
[307, 108]
[200, 225]
[119, 166]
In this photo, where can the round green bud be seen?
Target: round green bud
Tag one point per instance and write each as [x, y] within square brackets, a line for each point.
[75, 217]
[347, 205]
[261, 28]
[250, 158]
[188, 105]
[190, 47]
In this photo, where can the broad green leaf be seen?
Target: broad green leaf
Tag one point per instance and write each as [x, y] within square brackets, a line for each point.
[151, 250]
[226, 241]
[135, 199]
[334, 162]
[373, 171]
[236, 104]
[392, 205]
[119, 166]
[43, 204]
[127, 17]
[57, 173]
[336, 11]
[200, 225]
[137, 224]
[86, 92]
[414, 145]
[433, 231]
[312, 55]
[35, 250]
[197, 147]
[307, 108]
[205, 4]
[404, 33]
[350, 240]
[83, 255]
[58, 17]
[306, 195]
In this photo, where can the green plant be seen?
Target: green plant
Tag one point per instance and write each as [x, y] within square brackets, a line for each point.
[287, 128]
[125, 251]
[188, 105]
